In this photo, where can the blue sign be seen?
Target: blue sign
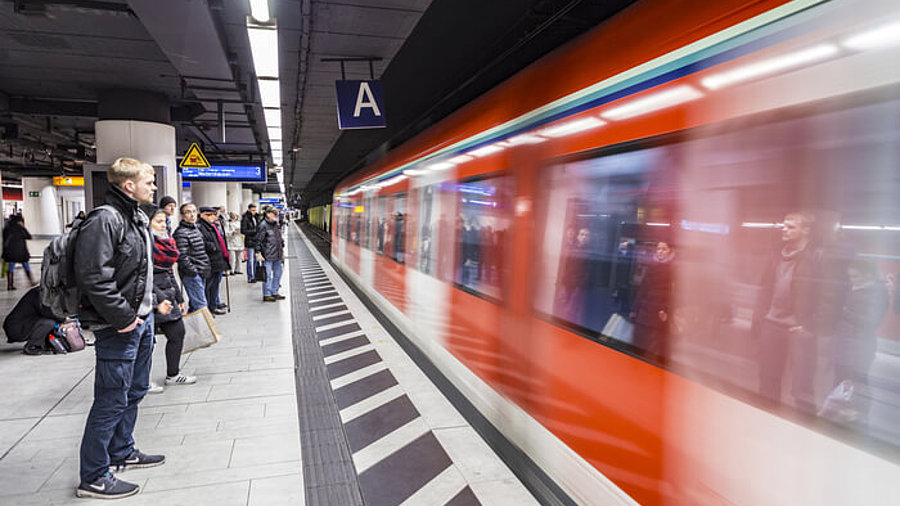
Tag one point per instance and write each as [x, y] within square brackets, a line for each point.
[269, 201]
[360, 104]
[227, 171]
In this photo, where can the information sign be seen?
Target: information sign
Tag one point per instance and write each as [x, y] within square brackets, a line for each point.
[249, 172]
[360, 104]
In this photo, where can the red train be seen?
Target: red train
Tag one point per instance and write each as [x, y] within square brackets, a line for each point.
[662, 259]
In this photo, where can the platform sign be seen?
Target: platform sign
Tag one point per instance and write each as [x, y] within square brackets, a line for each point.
[360, 104]
[244, 172]
[194, 158]
[68, 181]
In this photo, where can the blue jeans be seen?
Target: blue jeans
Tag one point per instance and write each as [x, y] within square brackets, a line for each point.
[121, 380]
[251, 264]
[273, 277]
[196, 292]
[11, 266]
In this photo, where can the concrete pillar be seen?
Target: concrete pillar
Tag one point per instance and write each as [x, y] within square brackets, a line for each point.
[208, 194]
[233, 196]
[246, 199]
[256, 198]
[41, 212]
[136, 124]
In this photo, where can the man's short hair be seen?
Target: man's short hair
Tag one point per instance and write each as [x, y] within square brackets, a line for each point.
[251, 206]
[128, 169]
[806, 219]
[185, 206]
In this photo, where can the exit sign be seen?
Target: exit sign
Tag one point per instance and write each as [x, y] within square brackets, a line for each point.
[34, 194]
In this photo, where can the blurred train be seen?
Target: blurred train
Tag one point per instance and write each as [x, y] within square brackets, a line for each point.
[592, 251]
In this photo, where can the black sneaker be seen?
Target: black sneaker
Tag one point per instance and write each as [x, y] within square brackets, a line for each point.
[107, 487]
[269, 298]
[138, 460]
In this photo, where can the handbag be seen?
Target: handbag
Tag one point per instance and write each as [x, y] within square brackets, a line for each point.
[200, 330]
[260, 272]
[67, 336]
[619, 328]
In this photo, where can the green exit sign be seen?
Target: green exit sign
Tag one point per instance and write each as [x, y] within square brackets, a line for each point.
[34, 194]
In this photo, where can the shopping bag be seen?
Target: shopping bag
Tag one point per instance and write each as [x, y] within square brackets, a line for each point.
[619, 328]
[200, 330]
[260, 272]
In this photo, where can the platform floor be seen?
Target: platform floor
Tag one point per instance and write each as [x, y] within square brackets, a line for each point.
[371, 427]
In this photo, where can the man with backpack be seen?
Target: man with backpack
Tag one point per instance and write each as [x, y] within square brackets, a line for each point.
[114, 274]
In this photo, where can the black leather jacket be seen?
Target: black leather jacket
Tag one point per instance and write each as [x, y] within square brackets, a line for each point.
[249, 227]
[192, 258]
[111, 262]
[217, 262]
[269, 241]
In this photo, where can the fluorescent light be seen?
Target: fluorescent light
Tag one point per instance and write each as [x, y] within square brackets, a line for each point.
[460, 159]
[769, 66]
[756, 224]
[486, 150]
[270, 93]
[653, 102]
[889, 228]
[442, 165]
[273, 117]
[259, 9]
[523, 139]
[656, 224]
[414, 172]
[264, 48]
[882, 36]
[572, 127]
[391, 181]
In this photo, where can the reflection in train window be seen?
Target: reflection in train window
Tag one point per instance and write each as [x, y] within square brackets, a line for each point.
[427, 253]
[389, 222]
[761, 256]
[482, 226]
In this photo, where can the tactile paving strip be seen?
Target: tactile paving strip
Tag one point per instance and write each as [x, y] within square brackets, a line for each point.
[354, 417]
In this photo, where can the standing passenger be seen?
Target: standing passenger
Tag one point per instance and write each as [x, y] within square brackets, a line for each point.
[15, 250]
[270, 250]
[235, 242]
[193, 262]
[652, 312]
[217, 251]
[249, 225]
[114, 271]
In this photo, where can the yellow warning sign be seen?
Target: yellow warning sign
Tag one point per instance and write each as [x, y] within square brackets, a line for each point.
[194, 158]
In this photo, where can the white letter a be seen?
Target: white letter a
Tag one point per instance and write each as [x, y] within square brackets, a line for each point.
[367, 101]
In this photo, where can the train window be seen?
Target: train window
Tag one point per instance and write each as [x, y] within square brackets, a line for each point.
[758, 256]
[427, 253]
[390, 226]
[399, 227]
[482, 225]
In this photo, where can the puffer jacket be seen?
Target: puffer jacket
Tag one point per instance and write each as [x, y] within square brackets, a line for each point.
[249, 227]
[217, 262]
[192, 258]
[166, 288]
[111, 262]
[269, 241]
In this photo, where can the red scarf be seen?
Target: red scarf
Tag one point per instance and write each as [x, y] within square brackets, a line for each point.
[165, 253]
[221, 242]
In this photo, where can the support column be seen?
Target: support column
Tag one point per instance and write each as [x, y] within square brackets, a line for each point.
[136, 124]
[208, 194]
[41, 212]
[246, 199]
[233, 195]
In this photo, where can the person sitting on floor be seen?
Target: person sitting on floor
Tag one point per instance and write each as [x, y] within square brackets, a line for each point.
[30, 322]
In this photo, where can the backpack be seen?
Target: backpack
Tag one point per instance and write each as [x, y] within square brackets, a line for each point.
[59, 291]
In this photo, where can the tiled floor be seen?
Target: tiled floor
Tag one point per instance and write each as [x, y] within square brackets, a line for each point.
[230, 439]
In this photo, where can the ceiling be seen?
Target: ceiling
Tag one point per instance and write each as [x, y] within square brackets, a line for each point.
[59, 57]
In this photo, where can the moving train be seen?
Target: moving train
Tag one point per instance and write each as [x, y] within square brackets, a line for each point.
[583, 252]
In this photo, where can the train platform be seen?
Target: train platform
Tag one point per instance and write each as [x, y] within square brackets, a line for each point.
[307, 401]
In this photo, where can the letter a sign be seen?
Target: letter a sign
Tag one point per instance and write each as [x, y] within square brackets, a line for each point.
[360, 104]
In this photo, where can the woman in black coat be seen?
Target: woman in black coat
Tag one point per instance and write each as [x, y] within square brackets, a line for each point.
[652, 310]
[165, 288]
[15, 250]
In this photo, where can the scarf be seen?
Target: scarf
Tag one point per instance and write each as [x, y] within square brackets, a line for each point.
[221, 243]
[165, 252]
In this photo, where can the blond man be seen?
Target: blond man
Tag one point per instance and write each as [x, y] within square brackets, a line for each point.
[114, 272]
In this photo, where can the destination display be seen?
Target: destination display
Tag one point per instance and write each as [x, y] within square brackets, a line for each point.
[227, 171]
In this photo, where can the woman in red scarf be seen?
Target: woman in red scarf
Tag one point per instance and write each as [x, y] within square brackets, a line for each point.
[165, 287]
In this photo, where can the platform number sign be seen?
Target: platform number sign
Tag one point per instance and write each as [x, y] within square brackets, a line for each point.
[194, 158]
[360, 104]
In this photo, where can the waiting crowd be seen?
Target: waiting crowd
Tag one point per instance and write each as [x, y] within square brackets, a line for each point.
[124, 259]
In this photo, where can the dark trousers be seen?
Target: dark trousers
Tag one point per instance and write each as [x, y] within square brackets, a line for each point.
[121, 380]
[174, 332]
[778, 347]
[212, 290]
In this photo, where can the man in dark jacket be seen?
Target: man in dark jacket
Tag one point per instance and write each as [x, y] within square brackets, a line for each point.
[249, 226]
[193, 262]
[217, 251]
[797, 303]
[114, 273]
[270, 251]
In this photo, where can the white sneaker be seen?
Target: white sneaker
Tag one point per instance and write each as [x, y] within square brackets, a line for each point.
[181, 379]
[155, 389]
